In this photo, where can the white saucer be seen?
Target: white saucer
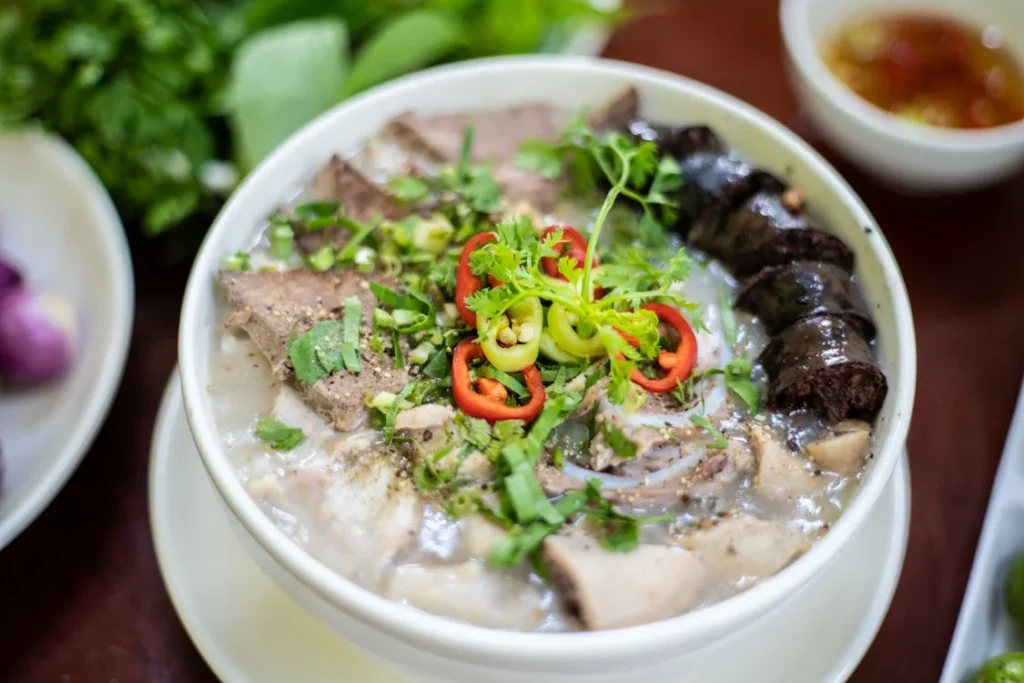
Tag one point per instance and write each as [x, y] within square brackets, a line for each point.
[248, 630]
[59, 226]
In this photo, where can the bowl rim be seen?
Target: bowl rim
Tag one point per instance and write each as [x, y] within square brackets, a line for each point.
[442, 634]
[111, 235]
[803, 55]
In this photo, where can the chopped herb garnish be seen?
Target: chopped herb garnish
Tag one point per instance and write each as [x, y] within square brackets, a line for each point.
[278, 435]
[317, 353]
[396, 349]
[439, 365]
[397, 405]
[510, 382]
[322, 259]
[407, 189]
[350, 353]
[238, 261]
[739, 382]
[718, 440]
[618, 441]
[540, 158]
[317, 209]
[282, 240]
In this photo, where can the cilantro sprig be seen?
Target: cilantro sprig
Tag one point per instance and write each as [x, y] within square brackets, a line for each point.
[633, 170]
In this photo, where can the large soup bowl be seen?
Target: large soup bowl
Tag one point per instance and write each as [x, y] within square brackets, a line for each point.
[430, 647]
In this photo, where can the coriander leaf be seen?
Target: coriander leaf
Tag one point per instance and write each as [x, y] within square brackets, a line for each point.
[718, 440]
[410, 41]
[317, 353]
[539, 157]
[618, 441]
[407, 189]
[278, 435]
[318, 209]
[438, 365]
[481, 191]
[739, 382]
[396, 406]
[474, 430]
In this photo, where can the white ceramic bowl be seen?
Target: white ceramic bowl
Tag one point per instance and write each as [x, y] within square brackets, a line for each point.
[58, 223]
[898, 152]
[435, 648]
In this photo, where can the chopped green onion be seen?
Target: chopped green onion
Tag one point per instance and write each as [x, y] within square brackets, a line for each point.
[238, 261]
[392, 412]
[382, 318]
[350, 352]
[396, 348]
[510, 382]
[326, 207]
[738, 381]
[432, 235]
[421, 354]
[282, 241]
[322, 259]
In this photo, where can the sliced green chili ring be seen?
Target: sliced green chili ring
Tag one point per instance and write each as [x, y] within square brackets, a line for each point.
[515, 357]
[566, 336]
[550, 349]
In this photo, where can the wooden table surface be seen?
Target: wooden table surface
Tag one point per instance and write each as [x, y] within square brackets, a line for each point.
[82, 598]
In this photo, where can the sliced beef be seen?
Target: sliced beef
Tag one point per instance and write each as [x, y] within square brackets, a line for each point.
[823, 363]
[605, 589]
[746, 547]
[270, 305]
[361, 199]
[496, 139]
[497, 133]
[781, 295]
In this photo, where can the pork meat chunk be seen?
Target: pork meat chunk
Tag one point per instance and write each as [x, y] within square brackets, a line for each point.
[746, 547]
[606, 589]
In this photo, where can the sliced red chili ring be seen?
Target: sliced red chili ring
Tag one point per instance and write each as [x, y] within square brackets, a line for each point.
[466, 282]
[678, 364]
[483, 406]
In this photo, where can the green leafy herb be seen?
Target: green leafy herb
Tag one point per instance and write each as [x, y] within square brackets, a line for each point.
[419, 306]
[411, 41]
[399, 404]
[540, 158]
[509, 382]
[439, 365]
[350, 353]
[282, 240]
[474, 430]
[283, 77]
[407, 189]
[728, 320]
[396, 349]
[317, 353]
[739, 382]
[618, 441]
[718, 440]
[322, 259]
[238, 261]
[278, 435]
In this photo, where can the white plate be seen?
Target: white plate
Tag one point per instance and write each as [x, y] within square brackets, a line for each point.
[58, 224]
[984, 628]
[248, 630]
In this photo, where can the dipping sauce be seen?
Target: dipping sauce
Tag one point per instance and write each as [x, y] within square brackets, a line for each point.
[929, 69]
